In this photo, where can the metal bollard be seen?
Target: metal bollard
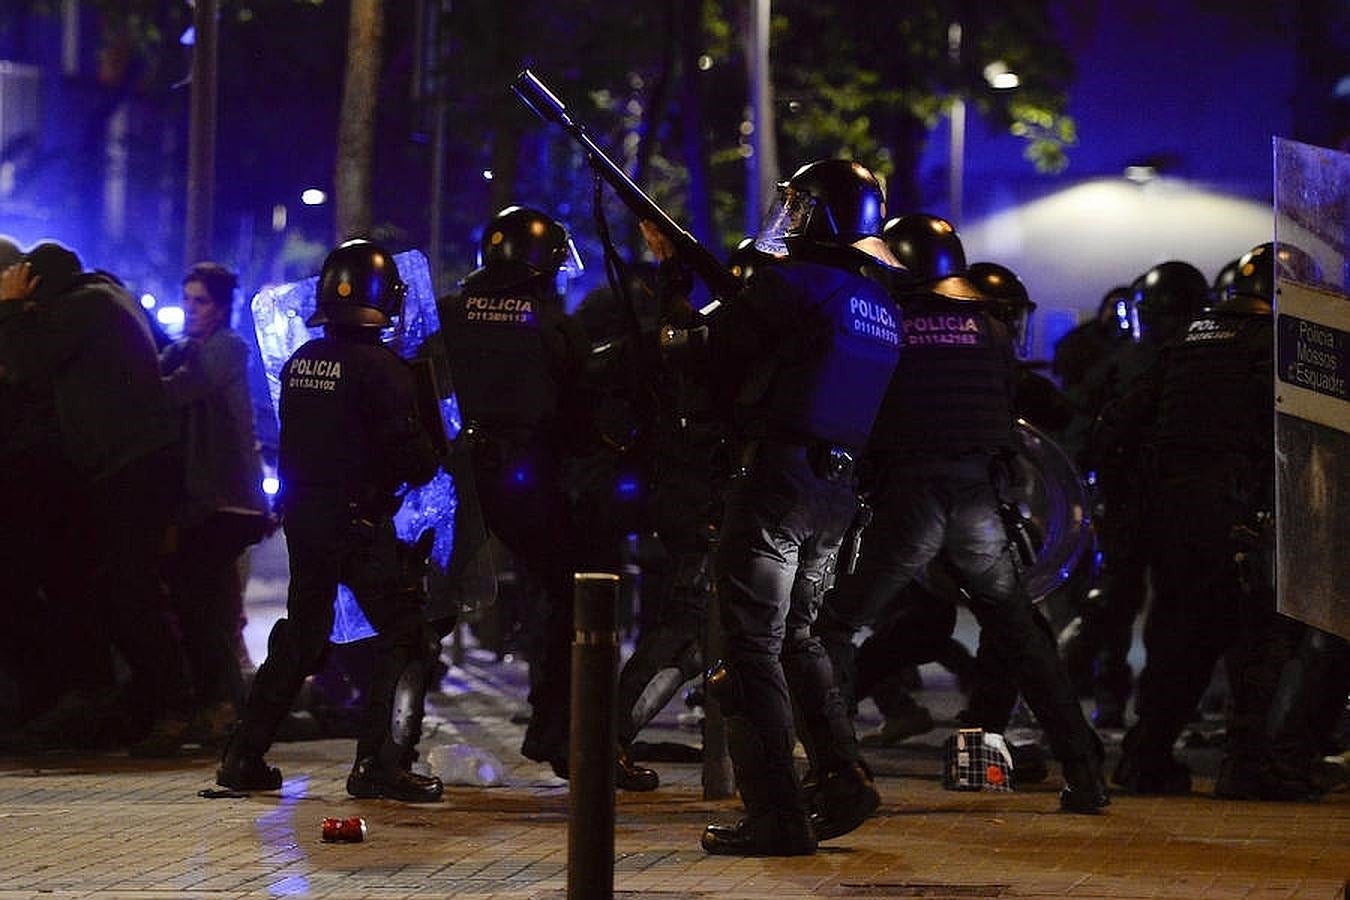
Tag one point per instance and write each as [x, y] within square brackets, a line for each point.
[719, 781]
[593, 746]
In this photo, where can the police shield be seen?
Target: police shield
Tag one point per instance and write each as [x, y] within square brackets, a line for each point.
[1047, 516]
[1052, 504]
[446, 504]
[1312, 391]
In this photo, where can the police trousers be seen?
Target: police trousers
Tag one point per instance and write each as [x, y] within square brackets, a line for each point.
[326, 549]
[950, 507]
[781, 532]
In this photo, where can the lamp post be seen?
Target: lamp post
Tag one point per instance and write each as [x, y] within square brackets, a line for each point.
[956, 160]
[762, 171]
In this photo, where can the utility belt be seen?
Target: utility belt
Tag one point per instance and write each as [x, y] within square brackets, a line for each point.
[829, 462]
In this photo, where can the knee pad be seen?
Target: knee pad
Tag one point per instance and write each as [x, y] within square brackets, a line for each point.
[306, 652]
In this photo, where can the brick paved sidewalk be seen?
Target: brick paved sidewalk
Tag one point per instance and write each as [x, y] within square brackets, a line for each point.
[111, 826]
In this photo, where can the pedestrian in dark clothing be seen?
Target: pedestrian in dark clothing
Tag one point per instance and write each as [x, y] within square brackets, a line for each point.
[73, 331]
[351, 439]
[224, 509]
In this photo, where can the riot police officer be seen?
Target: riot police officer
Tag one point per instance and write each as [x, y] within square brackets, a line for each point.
[1204, 416]
[516, 358]
[1085, 345]
[683, 459]
[350, 438]
[941, 444]
[1035, 397]
[919, 625]
[808, 347]
[1164, 299]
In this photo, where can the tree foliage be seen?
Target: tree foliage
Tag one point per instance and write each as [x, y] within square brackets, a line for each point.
[857, 79]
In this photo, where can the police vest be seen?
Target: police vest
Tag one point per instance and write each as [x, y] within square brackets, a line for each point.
[1217, 393]
[828, 374]
[952, 391]
[348, 420]
[500, 365]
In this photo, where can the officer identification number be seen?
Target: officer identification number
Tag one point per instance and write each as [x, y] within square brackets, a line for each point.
[874, 320]
[315, 374]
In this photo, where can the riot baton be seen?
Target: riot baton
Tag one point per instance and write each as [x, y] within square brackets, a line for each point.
[594, 740]
[546, 105]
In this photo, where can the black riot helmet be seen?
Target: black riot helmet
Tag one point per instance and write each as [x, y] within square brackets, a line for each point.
[1218, 289]
[1116, 312]
[1008, 300]
[928, 246]
[520, 245]
[1166, 297]
[1259, 267]
[359, 285]
[831, 201]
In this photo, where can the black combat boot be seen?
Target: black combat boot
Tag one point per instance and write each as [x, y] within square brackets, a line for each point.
[244, 770]
[764, 835]
[776, 821]
[629, 776]
[370, 778]
[1084, 788]
[842, 800]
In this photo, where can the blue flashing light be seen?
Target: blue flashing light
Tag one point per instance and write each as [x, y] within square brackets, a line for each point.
[628, 487]
[271, 485]
[521, 475]
[148, 301]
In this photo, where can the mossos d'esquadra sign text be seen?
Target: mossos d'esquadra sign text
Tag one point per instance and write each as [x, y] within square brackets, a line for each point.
[1312, 355]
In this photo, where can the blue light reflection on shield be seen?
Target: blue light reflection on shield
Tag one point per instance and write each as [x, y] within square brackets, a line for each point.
[279, 314]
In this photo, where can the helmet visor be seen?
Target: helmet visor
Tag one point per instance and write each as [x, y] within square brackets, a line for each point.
[788, 217]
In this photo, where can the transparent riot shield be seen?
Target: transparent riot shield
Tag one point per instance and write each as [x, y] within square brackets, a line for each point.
[1048, 513]
[446, 503]
[1050, 495]
[1312, 407]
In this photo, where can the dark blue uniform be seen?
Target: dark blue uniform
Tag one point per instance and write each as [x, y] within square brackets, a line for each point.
[943, 432]
[811, 347]
[514, 358]
[1204, 418]
[350, 437]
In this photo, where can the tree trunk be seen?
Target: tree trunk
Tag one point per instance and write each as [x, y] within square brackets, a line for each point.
[691, 130]
[356, 127]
